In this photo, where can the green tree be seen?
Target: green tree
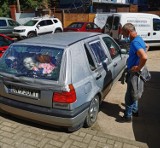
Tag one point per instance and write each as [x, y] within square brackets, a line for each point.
[4, 9]
[25, 4]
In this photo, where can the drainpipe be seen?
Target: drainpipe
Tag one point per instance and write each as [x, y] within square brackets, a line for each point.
[13, 11]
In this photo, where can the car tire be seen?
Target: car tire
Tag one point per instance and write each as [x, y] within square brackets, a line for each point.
[31, 34]
[92, 113]
[58, 30]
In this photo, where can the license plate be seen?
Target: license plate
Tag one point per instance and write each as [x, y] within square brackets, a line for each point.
[25, 92]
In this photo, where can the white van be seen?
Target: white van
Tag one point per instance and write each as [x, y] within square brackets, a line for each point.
[147, 26]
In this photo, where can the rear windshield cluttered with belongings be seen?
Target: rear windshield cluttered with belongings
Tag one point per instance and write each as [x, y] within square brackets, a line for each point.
[32, 61]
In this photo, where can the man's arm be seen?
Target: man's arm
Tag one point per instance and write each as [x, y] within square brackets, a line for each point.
[143, 58]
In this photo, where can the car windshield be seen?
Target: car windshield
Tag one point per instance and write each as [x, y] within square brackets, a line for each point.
[75, 25]
[32, 61]
[30, 23]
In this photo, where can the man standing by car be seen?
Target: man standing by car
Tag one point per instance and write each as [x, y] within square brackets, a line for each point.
[136, 61]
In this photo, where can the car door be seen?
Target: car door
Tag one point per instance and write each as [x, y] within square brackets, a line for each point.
[50, 26]
[45, 26]
[108, 25]
[98, 61]
[41, 27]
[114, 32]
[91, 27]
[4, 27]
[118, 61]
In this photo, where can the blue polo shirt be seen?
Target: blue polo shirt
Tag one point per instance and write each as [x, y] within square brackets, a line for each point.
[136, 44]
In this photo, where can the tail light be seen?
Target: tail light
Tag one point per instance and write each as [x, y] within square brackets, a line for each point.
[65, 97]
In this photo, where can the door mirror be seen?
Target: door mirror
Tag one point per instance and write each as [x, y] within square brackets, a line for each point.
[107, 26]
[124, 51]
[38, 26]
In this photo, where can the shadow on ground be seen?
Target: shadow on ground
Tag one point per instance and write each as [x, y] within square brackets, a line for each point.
[146, 127]
[111, 109]
[32, 123]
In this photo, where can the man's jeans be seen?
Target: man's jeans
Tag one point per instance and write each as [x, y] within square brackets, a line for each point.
[133, 93]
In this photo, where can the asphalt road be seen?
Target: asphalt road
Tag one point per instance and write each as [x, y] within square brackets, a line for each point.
[146, 127]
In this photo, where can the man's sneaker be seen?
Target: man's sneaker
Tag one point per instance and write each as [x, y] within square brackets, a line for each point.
[126, 119]
[136, 114]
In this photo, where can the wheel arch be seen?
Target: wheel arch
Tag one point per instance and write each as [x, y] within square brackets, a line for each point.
[58, 28]
[32, 31]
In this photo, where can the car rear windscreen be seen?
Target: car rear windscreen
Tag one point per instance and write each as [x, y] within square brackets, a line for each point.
[32, 61]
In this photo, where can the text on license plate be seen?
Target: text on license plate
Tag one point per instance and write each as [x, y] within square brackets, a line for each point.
[25, 92]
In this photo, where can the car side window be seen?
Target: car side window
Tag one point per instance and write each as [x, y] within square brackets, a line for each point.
[90, 60]
[112, 47]
[95, 26]
[98, 51]
[55, 21]
[89, 26]
[49, 22]
[42, 23]
[12, 23]
[156, 24]
[3, 23]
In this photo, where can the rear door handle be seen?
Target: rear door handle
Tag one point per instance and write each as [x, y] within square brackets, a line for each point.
[98, 76]
[154, 33]
[115, 64]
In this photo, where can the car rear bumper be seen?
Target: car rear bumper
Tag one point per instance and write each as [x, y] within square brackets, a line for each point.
[45, 115]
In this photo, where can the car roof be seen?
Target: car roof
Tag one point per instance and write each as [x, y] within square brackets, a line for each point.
[58, 39]
[43, 18]
[134, 14]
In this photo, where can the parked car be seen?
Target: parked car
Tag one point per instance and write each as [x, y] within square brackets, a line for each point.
[60, 79]
[5, 41]
[7, 25]
[38, 26]
[83, 27]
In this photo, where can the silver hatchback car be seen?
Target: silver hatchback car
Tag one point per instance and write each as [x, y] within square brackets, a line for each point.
[60, 79]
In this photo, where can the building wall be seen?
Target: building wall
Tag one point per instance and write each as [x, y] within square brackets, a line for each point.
[68, 18]
[24, 17]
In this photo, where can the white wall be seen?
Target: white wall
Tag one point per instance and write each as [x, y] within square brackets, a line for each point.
[24, 17]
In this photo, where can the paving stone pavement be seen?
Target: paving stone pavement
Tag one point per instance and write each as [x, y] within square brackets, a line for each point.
[16, 133]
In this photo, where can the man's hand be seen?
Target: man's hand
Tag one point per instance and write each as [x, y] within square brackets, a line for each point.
[135, 69]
